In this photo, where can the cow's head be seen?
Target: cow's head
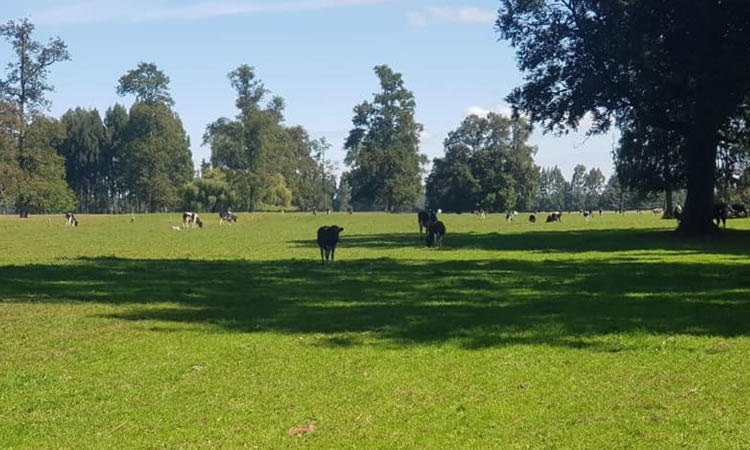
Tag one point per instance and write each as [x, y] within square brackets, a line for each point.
[199, 222]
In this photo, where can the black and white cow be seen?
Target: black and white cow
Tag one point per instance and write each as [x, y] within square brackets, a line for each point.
[435, 233]
[554, 217]
[228, 217]
[70, 219]
[328, 237]
[425, 218]
[677, 212]
[191, 219]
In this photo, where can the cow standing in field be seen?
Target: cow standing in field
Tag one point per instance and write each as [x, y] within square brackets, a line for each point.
[228, 217]
[677, 212]
[532, 218]
[435, 233]
[191, 219]
[739, 210]
[720, 214]
[425, 218]
[328, 237]
[70, 220]
[554, 217]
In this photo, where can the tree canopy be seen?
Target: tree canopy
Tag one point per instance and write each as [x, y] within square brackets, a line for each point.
[383, 147]
[678, 66]
[487, 165]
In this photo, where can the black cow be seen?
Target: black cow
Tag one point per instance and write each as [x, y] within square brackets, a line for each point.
[328, 237]
[435, 233]
[532, 218]
[70, 220]
[739, 210]
[425, 219]
[720, 214]
[228, 217]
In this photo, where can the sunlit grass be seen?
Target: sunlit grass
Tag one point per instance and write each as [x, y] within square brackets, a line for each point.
[600, 334]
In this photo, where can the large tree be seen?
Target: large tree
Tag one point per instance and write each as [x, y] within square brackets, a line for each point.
[681, 66]
[22, 95]
[383, 147]
[267, 163]
[148, 84]
[487, 165]
[156, 161]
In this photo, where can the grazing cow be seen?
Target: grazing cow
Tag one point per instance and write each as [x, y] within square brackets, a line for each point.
[191, 219]
[510, 215]
[587, 215]
[601, 211]
[435, 233]
[425, 218]
[739, 210]
[315, 211]
[720, 214]
[482, 214]
[657, 210]
[677, 212]
[228, 217]
[554, 217]
[70, 220]
[532, 218]
[350, 210]
[328, 237]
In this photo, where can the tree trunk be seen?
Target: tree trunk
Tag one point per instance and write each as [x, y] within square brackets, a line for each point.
[669, 205]
[697, 218]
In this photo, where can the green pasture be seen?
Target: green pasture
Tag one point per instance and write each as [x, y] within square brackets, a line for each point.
[613, 333]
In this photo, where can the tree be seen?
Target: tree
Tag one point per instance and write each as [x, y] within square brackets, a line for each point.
[113, 156]
[487, 165]
[263, 159]
[149, 85]
[576, 194]
[22, 94]
[673, 65]
[85, 141]
[616, 196]
[593, 185]
[553, 188]
[343, 195]
[383, 147]
[41, 185]
[211, 192]
[156, 161]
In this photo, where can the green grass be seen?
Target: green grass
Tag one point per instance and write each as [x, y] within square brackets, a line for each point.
[613, 333]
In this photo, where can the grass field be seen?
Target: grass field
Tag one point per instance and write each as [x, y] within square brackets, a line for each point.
[613, 333]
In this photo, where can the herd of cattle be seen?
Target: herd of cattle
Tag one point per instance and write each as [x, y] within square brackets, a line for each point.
[432, 228]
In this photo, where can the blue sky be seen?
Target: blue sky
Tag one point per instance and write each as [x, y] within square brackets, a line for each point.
[317, 54]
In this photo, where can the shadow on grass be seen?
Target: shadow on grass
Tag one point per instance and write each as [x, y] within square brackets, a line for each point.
[475, 304]
[733, 242]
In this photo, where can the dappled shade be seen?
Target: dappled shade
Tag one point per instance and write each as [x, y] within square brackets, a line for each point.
[475, 303]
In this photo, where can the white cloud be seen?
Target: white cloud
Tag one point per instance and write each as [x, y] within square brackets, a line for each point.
[503, 109]
[437, 14]
[88, 11]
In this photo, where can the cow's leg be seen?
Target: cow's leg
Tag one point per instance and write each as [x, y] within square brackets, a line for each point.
[322, 259]
[328, 254]
[333, 250]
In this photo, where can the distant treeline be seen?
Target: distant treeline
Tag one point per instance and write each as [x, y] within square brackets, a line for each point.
[139, 160]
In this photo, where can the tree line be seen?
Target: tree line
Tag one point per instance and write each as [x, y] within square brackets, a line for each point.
[139, 159]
